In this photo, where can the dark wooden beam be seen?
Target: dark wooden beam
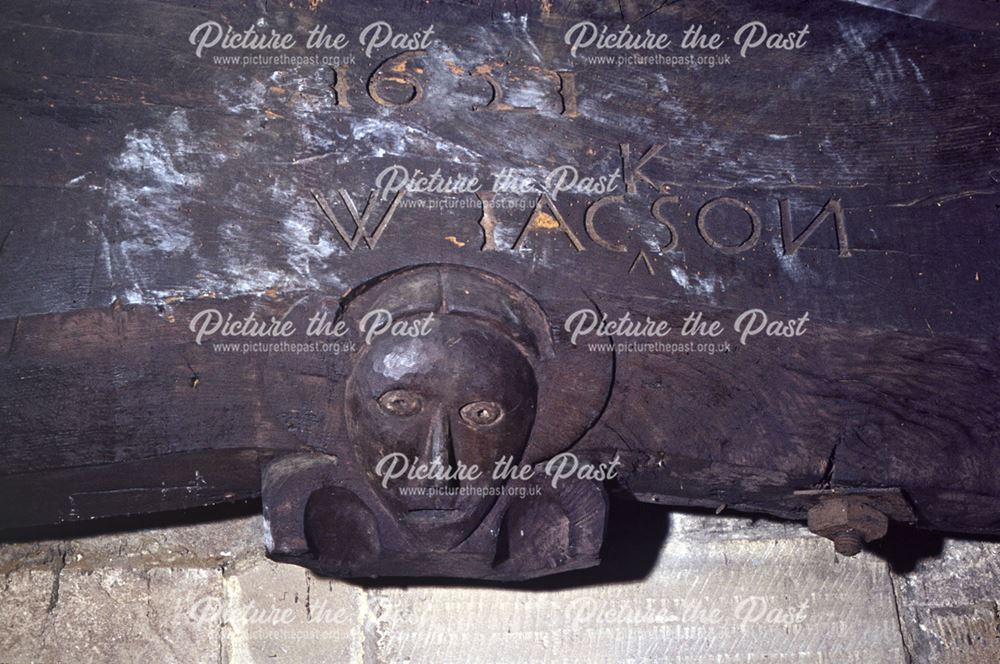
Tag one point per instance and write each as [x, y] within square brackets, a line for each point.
[854, 178]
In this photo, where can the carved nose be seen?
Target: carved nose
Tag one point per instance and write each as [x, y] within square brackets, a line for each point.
[439, 446]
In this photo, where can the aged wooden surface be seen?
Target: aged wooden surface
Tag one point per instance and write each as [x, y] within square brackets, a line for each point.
[144, 184]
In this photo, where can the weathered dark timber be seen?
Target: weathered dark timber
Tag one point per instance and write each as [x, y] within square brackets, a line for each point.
[142, 184]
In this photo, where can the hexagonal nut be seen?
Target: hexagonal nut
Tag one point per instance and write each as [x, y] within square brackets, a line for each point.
[834, 516]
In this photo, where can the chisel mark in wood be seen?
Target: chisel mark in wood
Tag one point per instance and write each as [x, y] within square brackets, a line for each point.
[3, 242]
[13, 336]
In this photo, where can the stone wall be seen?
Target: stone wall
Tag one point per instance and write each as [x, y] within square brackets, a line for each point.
[722, 589]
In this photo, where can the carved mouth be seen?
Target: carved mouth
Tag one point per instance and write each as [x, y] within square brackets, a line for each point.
[432, 516]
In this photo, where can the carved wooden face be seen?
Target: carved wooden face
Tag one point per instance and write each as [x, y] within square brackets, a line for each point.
[463, 396]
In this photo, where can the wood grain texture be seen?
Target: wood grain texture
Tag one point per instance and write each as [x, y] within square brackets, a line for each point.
[143, 184]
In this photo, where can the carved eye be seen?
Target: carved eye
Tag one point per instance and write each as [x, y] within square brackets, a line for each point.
[481, 413]
[401, 403]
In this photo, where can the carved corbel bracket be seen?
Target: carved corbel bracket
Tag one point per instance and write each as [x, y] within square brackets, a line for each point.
[427, 456]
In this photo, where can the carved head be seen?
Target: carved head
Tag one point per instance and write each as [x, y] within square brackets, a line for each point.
[467, 376]
[453, 402]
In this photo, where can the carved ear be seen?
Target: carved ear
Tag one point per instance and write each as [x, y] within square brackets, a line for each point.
[560, 530]
[313, 518]
[534, 535]
[286, 484]
[341, 532]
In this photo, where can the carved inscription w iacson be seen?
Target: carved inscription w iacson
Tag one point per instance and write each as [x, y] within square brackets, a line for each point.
[546, 216]
[395, 85]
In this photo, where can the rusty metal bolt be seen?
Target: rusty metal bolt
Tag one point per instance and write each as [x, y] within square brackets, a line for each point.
[848, 543]
[849, 521]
